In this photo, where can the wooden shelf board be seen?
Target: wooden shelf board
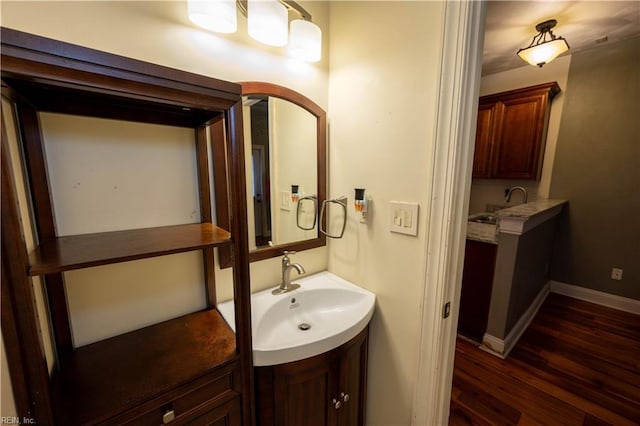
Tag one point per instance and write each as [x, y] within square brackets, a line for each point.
[87, 250]
[104, 379]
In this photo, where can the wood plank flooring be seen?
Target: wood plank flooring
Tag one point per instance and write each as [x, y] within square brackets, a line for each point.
[577, 364]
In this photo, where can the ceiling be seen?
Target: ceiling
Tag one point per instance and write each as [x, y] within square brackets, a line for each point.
[510, 25]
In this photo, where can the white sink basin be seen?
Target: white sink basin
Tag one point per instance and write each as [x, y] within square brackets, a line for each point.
[325, 312]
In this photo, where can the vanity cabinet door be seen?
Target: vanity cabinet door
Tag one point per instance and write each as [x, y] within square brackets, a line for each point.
[325, 390]
[303, 392]
[353, 382]
[477, 283]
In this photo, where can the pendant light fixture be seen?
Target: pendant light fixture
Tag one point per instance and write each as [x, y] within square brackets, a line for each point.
[267, 21]
[219, 16]
[545, 46]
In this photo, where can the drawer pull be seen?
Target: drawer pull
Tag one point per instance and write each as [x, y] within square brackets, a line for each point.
[168, 416]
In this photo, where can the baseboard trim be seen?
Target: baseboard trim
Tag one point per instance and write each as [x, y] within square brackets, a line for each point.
[501, 348]
[598, 297]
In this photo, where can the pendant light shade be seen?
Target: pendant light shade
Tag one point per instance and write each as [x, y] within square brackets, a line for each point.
[215, 15]
[545, 46]
[268, 22]
[305, 40]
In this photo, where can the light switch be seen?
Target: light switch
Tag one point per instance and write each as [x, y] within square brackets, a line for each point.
[403, 217]
[285, 200]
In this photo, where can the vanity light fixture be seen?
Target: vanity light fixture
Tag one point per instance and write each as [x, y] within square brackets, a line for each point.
[295, 193]
[545, 46]
[268, 23]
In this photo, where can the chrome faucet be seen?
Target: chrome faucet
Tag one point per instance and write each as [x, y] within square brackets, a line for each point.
[509, 191]
[287, 266]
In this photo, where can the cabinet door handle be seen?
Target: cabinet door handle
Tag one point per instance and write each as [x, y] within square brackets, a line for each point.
[345, 397]
[168, 416]
[336, 404]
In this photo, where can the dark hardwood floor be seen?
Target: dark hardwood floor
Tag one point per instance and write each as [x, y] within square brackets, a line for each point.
[577, 364]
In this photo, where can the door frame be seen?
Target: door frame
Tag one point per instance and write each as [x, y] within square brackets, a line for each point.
[452, 163]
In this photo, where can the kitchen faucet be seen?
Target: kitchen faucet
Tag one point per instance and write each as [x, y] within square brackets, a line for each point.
[509, 191]
[287, 266]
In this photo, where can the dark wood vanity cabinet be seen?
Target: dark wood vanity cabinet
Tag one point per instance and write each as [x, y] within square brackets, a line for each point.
[326, 390]
[192, 369]
[477, 282]
[511, 132]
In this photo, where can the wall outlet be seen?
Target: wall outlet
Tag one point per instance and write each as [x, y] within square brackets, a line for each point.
[616, 274]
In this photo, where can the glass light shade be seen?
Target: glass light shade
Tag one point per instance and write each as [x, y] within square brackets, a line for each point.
[268, 22]
[305, 40]
[215, 15]
[544, 53]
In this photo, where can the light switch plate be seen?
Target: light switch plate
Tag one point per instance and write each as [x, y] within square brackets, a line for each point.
[285, 200]
[403, 217]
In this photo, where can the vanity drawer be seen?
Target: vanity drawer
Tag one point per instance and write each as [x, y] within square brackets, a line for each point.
[211, 390]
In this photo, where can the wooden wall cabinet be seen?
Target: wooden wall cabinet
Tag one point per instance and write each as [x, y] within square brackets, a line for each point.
[511, 133]
[189, 370]
[326, 390]
[477, 282]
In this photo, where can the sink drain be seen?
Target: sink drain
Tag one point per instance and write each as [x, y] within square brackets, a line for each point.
[304, 326]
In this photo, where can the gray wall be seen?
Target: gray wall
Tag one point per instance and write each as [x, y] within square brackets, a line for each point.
[520, 274]
[597, 168]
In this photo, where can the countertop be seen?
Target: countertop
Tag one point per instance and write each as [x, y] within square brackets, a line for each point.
[513, 220]
[529, 209]
[483, 232]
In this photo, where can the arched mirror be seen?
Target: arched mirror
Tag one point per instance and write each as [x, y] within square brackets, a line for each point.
[285, 146]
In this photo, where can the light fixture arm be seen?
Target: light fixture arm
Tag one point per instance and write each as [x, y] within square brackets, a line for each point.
[289, 4]
[543, 29]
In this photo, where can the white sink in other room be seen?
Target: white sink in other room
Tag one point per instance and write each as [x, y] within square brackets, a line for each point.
[324, 313]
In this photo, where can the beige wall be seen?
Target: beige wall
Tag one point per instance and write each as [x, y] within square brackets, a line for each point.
[383, 96]
[485, 191]
[597, 169]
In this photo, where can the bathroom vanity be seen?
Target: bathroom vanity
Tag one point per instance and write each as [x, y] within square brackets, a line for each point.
[327, 389]
[310, 352]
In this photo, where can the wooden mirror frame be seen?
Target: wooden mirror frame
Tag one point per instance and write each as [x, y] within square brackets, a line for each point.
[220, 182]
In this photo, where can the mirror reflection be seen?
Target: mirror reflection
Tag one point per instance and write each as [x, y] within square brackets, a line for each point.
[282, 172]
[285, 140]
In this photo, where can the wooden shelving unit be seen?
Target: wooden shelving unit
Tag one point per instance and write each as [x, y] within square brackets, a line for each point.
[130, 369]
[191, 368]
[82, 251]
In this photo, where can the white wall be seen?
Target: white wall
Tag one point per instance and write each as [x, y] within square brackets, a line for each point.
[485, 191]
[385, 59]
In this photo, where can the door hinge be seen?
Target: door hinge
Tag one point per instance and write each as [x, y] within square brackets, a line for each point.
[447, 310]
